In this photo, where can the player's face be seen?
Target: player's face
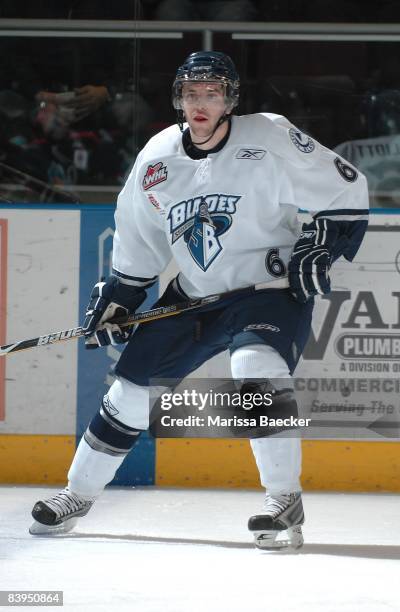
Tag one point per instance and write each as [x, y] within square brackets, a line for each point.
[203, 104]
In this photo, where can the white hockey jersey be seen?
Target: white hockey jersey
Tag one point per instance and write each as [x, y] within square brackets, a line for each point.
[248, 195]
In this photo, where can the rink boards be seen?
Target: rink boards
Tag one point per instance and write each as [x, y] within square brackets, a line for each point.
[51, 257]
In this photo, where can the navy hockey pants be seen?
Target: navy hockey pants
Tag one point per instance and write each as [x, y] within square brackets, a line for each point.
[173, 347]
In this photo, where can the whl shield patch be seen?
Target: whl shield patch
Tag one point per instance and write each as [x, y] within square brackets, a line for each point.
[154, 175]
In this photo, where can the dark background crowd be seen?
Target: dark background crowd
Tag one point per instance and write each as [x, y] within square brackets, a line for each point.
[76, 109]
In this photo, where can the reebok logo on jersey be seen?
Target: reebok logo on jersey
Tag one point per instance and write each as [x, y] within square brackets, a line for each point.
[201, 220]
[266, 326]
[154, 175]
[250, 154]
[303, 142]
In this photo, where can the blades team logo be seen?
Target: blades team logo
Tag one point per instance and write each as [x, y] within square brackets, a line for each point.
[154, 175]
[303, 142]
[203, 243]
[201, 221]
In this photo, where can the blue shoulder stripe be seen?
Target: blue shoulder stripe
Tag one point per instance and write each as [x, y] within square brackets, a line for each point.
[343, 212]
[136, 281]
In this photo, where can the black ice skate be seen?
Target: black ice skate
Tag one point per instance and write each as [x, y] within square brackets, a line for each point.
[282, 516]
[58, 514]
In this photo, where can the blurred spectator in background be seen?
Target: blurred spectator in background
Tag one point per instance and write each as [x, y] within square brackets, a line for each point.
[75, 105]
[377, 151]
[71, 105]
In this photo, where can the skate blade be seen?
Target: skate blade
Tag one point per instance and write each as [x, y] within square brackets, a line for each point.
[40, 529]
[278, 540]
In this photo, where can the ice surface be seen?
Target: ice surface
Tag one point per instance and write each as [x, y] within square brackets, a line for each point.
[174, 550]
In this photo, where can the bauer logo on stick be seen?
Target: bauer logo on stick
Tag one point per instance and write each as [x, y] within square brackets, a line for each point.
[62, 335]
[154, 175]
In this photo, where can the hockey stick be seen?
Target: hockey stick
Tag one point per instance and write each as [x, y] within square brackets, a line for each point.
[140, 317]
[45, 192]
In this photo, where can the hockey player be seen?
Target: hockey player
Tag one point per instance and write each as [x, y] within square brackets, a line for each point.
[220, 194]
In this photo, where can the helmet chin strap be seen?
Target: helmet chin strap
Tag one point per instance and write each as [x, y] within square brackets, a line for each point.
[223, 118]
[220, 121]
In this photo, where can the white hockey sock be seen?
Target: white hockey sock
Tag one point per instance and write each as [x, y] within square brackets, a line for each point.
[279, 463]
[110, 436]
[91, 470]
[278, 459]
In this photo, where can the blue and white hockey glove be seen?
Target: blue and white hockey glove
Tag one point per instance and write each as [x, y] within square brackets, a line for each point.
[312, 258]
[108, 300]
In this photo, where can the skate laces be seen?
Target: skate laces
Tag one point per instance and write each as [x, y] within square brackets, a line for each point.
[65, 502]
[273, 506]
